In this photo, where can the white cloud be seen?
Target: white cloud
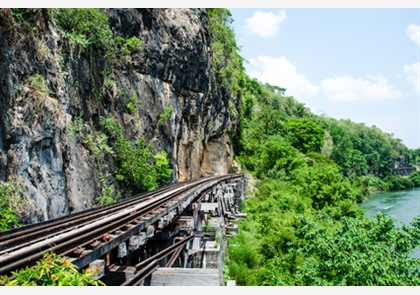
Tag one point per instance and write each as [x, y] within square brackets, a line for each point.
[346, 88]
[413, 32]
[266, 24]
[412, 74]
[280, 72]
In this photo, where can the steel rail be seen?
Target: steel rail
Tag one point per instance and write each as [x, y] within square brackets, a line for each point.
[174, 256]
[87, 233]
[145, 221]
[81, 235]
[28, 228]
[142, 275]
[28, 235]
[144, 266]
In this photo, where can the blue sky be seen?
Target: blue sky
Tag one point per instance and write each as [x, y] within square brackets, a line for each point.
[358, 64]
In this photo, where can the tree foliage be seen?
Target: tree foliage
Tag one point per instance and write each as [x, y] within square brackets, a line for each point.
[227, 60]
[305, 135]
[85, 26]
[304, 225]
[361, 252]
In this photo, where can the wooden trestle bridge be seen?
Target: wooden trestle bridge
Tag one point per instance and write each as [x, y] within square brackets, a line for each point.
[174, 227]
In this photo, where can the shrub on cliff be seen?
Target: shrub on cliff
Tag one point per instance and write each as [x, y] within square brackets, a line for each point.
[140, 167]
[84, 26]
[12, 203]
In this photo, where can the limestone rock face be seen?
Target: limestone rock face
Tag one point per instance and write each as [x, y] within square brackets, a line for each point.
[172, 74]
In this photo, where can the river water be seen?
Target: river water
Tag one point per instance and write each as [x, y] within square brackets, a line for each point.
[402, 206]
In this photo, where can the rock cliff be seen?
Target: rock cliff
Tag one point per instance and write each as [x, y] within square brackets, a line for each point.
[167, 93]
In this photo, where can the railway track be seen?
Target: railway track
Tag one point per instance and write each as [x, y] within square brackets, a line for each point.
[90, 234]
[19, 237]
[146, 267]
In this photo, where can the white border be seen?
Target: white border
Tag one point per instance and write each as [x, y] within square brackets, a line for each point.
[213, 4]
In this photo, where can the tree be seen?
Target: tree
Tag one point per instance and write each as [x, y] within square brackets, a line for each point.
[277, 158]
[305, 134]
[362, 252]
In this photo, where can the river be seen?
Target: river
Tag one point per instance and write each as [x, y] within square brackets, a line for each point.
[402, 206]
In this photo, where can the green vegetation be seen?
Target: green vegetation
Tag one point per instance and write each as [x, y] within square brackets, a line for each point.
[361, 150]
[84, 26]
[227, 62]
[12, 203]
[304, 225]
[38, 84]
[370, 252]
[163, 172]
[81, 28]
[139, 167]
[133, 105]
[108, 195]
[75, 127]
[305, 134]
[98, 145]
[52, 270]
[21, 13]
[130, 45]
[164, 116]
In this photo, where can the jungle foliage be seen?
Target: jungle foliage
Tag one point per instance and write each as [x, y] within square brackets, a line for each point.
[304, 226]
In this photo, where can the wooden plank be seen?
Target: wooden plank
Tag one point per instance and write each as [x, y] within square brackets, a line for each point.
[185, 277]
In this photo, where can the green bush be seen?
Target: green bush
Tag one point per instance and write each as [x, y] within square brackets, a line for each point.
[163, 172]
[372, 184]
[135, 164]
[12, 203]
[133, 105]
[52, 270]
[397, 183]
[124, 47]
[75, 127]
[108, 195]
[21, 14]
[130, 45]
[276, 158]
[164, 116]
[139, 166]
[415, 178]
[85, 26]
[38, 84]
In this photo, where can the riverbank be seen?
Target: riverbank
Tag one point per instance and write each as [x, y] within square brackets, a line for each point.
[402, 206]
[372, 185]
